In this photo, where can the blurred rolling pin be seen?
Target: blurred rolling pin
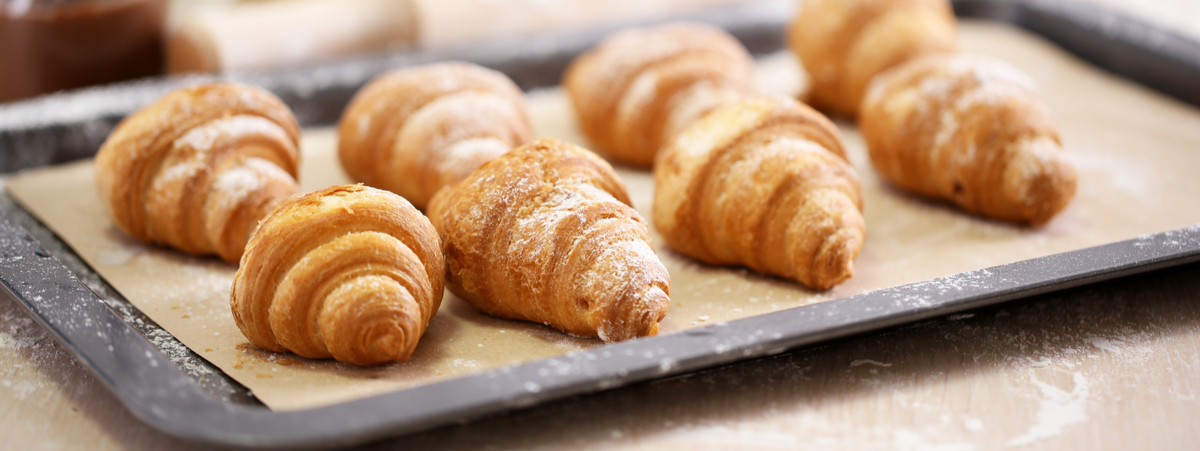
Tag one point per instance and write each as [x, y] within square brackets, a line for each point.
[254, 34]
[240, 35]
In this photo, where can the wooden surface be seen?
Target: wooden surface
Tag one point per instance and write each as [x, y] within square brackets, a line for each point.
[1113, 366]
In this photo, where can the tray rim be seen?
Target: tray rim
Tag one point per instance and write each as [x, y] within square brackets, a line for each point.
[162, 395]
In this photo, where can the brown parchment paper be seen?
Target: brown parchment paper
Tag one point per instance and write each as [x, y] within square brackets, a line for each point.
[1137, 152]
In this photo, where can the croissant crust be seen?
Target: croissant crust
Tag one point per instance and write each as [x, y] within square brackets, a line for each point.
[545, 233]
[349, 272]
[640, 87]
[843, 44]
[763, 183]
[197, 169]
[972, 131]
[414, 130]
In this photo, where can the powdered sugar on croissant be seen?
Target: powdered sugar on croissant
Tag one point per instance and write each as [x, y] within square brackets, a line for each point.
[199, 168]
[762, 183]
[640, 87]
[970, 130]
[414, 130]
[546, 234]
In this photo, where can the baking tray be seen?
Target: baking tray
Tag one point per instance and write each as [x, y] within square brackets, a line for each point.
[142, 364]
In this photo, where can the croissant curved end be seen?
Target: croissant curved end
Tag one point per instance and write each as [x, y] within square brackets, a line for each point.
[348, 272]
[643, 320]
[834, 263]
[823, 240]
[1039, 181]
[370, 327]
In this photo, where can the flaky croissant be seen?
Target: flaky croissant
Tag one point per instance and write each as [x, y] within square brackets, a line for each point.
[415, 130]
[970, 130]
[197, 169]
[545, 233]
[763, 183]
[844, 43]
[640, 87]
[349, 272]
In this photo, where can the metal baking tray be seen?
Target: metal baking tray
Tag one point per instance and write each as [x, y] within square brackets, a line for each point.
[143, 364]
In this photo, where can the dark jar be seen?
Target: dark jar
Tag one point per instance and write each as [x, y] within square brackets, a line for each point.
[47, 46]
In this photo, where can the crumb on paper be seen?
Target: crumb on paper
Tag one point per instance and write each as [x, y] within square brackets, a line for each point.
[263, 376]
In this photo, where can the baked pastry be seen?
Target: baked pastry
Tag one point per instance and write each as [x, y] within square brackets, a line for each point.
[970, 130]
[349, 272]
[197, 169]
[546, 234]
[762, 183]
[844, 43]
[639, 87]
[415, 130]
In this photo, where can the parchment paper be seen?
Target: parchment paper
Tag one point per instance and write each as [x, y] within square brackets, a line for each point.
[1137, 153]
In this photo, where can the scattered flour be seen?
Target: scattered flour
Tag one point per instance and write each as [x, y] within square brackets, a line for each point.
[1113, 346]
[118, 255]
[8, 341]
[19, 334]
[1058, 409]
[869, 361]
[973, 424]
[465, 363]
[177, 352]
[22, 388]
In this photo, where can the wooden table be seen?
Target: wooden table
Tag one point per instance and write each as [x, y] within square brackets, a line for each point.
[1111, 366]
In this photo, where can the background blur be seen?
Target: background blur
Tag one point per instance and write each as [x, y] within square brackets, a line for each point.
[51, 45]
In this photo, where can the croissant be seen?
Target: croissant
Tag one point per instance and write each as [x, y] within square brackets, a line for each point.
[844, 43]
[970, 130]
[415, 130]
[762, 183]
[349, 272]
[197, 169]
[640, 87]
[546, 233]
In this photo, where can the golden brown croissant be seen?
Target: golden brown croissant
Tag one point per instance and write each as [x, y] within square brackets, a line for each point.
[197, 169]
[545, 233]
[970, 130]
[349, 272]
[413, 131]
[844, 43]
[640, 87]
[763, 183]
